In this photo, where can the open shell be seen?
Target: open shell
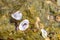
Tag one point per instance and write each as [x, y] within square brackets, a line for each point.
[17, 15]
[24, 25]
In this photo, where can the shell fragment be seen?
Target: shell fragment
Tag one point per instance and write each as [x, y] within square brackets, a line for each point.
[44, 33]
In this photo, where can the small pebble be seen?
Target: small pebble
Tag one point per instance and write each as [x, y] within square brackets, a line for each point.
[58, 18]
[48, 2]
[58, 2]
[50, 17]
[47, 38]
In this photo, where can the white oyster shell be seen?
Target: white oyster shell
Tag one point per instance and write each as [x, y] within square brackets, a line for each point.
[24, 25]
[44, 33]
[17, 15]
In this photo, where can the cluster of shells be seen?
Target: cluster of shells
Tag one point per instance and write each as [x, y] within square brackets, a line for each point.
[18, 16]
[25, 23]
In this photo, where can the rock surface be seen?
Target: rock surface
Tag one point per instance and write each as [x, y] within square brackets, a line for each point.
[30, 10]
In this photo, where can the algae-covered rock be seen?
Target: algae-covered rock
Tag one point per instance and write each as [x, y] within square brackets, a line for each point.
[40, 13]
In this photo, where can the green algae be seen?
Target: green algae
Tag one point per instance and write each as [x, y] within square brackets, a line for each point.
[30, 10]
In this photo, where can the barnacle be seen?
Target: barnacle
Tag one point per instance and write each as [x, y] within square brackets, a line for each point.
[58, 18]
